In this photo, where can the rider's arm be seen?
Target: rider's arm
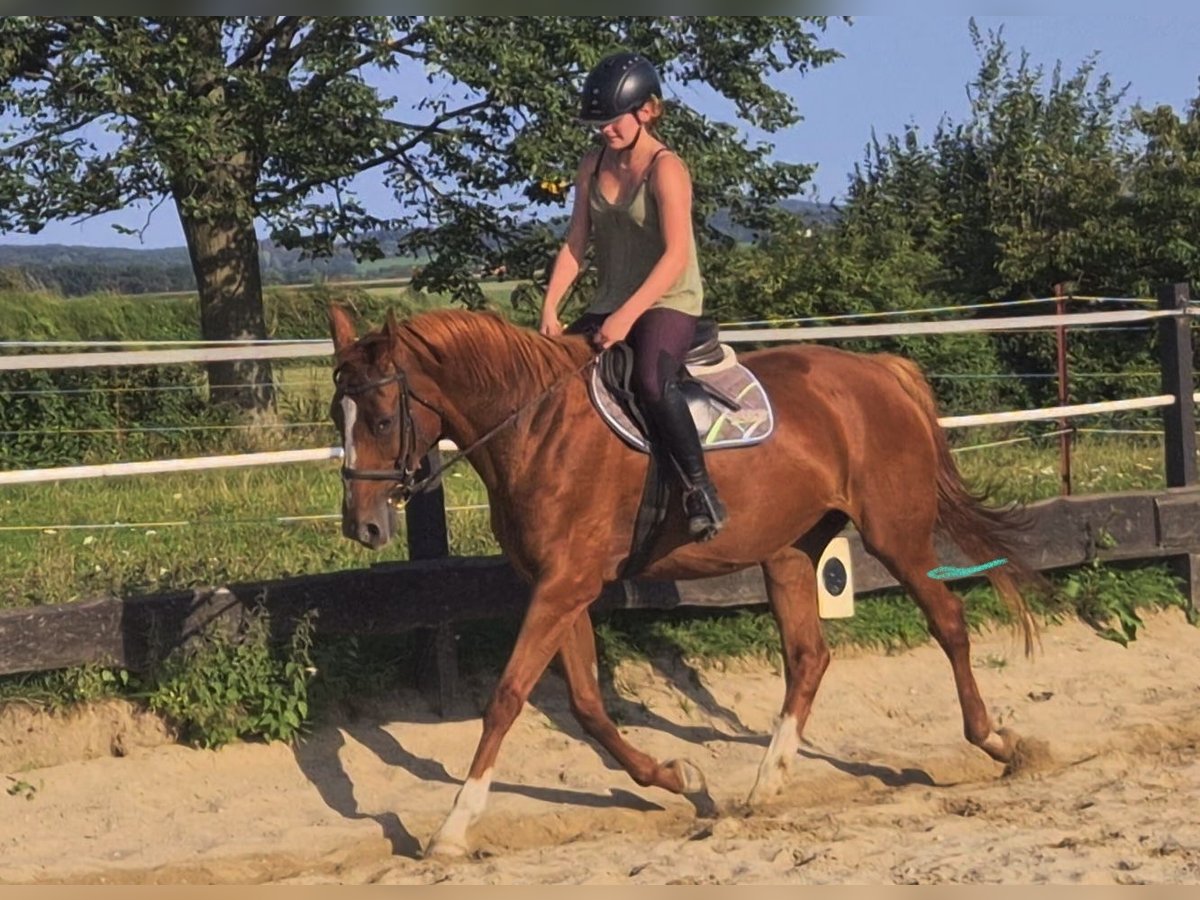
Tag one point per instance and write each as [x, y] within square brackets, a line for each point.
[569, 261]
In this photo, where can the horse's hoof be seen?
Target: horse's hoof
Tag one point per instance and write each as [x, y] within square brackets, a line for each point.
[690, 777]
[694, 787]
[1011, 739]
[445, 848]
[763, 791]
[1001, 745]
[769, 784]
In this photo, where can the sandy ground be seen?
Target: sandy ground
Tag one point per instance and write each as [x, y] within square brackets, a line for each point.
[886, 790]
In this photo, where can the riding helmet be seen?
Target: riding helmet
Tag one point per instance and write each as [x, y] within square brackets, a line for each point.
[619, 83]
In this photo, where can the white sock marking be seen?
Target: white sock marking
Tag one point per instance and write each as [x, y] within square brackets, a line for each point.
[994, 743]
[779, 756]
[468, 807]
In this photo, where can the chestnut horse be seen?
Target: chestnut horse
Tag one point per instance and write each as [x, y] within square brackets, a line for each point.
[856, 439]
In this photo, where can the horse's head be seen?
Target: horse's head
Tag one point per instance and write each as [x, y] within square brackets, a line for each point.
[387, 427]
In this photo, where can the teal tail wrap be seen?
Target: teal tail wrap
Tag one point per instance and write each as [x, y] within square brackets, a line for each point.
[943, 573]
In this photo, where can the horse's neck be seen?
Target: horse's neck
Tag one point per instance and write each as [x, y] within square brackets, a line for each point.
[476, 415]
[480, 410]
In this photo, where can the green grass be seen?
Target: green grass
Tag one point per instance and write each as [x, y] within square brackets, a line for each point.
[1109, 599]
[1029, 471]
[185, 530]
[367, 268]
[229, 511]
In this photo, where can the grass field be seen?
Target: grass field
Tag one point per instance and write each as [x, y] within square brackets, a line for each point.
[142, 534]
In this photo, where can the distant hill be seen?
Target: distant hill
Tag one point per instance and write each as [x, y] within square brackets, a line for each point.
[817, 213]
[813, 213]
[77, 269]
[73, 254]
[74, 270]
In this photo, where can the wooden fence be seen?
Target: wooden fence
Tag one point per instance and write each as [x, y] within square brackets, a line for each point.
[442, 592]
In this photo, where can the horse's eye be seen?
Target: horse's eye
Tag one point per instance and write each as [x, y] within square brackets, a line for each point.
[384, 426]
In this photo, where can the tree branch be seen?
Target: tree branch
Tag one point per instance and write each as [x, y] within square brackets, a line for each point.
[256, 49]
[303, 187]
[319, 81]
[37, 61]
[281, 60]
[13, 149]
[430, 187]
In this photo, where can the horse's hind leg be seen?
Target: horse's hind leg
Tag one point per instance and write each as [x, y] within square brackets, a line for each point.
[909, 558]
[578, 657]
[792, 592]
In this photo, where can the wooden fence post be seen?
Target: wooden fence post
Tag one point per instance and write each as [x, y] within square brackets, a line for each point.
[428, 538]
[1179, 419]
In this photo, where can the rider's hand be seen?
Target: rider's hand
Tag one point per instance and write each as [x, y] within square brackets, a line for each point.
[615, 329]
[550, 325]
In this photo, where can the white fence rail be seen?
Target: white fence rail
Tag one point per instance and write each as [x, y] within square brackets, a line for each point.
[280, 350]
[302, 349]
[159, 466]
[311, 349]
[1059, 412]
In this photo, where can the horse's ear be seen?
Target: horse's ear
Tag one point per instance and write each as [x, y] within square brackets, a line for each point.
[342, 327]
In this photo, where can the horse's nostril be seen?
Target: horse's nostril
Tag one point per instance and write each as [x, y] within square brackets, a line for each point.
[372, 531]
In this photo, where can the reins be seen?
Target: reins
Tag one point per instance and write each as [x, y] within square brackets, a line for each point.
[404, 470]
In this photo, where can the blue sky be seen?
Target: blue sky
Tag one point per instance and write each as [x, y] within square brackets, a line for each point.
[897, 70]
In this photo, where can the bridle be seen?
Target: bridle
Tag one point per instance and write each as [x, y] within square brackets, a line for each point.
[409, 459]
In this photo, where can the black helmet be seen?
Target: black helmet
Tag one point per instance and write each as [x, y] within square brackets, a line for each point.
[618, 84]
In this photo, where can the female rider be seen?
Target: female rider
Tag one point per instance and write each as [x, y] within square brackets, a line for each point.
[633, 201]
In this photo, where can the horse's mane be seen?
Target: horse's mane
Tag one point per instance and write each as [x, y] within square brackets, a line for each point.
[481, 348]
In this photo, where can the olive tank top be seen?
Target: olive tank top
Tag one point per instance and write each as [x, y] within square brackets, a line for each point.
[628, 242]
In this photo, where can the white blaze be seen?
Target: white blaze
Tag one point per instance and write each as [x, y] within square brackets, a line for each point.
[349, 417]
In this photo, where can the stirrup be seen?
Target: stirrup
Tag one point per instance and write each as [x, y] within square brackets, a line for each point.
[705, 511]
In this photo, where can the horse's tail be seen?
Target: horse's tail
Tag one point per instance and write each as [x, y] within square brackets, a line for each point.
[981, 531]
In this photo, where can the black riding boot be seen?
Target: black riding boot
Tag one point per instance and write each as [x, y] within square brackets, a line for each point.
[676, 431]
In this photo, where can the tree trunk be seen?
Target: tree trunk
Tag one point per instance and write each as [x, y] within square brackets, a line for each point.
[224, 253]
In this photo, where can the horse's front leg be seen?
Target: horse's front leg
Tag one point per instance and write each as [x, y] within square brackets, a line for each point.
[555, 603]
[680, 776]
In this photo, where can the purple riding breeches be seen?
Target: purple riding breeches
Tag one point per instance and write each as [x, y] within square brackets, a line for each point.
[660, 339]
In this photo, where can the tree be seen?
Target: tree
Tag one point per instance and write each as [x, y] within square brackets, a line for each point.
[1165, 191]
[238, 119]
[1046, 181]
[1026, 193]
[1033, 189]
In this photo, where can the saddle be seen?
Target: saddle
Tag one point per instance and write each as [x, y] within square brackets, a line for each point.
[727, 402]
